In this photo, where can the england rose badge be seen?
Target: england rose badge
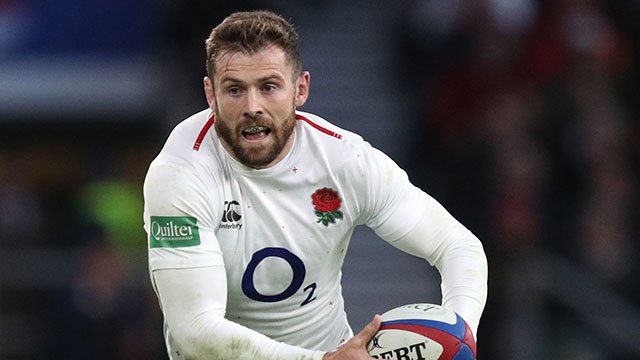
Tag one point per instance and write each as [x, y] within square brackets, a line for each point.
[327, 205]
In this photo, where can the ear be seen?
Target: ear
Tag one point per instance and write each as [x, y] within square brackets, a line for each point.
[209, 93]
[302, 88]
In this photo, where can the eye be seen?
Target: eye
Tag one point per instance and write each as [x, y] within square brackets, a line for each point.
[233, 90]
[269, 87]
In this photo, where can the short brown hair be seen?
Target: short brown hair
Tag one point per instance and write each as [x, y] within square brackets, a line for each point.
[250, 32]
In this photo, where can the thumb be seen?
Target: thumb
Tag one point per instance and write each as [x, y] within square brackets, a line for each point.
[368, 332]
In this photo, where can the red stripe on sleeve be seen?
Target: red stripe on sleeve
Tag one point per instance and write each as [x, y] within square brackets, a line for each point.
[318, 127]
[203, 132]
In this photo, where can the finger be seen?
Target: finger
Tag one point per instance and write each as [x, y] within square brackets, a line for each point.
[369, 331]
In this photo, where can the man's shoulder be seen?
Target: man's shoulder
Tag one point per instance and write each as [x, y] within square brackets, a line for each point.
[326, 131]
[189, 133]
[333, 148]
[187, 145]
[187, 137]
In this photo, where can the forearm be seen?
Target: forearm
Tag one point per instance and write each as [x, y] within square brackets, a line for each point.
[459, 256]
[463, 267]
[212, 336]
[193, 303]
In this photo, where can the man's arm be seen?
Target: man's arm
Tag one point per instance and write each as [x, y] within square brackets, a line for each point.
[459, 256]
[411, 220]
[193, 302]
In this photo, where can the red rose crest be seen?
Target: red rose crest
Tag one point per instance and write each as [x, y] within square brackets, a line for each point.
[327, 203]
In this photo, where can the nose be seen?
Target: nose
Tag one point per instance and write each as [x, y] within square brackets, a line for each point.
[254, 104]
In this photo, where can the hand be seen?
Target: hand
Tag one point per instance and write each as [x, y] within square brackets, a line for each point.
[356, 348]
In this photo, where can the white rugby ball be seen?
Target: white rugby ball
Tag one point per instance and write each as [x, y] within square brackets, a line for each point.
[422, 332]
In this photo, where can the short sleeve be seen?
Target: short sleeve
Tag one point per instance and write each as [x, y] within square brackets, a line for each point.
[395, 204]
[178, 221]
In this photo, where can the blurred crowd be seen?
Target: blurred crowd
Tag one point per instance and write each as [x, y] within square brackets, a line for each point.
[72, 250]
[526, 117]
[530, 115]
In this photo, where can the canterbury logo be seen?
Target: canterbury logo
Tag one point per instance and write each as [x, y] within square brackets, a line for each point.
[230, 214]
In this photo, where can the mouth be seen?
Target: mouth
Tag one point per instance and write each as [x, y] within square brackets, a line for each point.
[256, 133]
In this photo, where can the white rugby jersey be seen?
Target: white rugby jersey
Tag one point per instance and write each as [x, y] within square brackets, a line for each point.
[282, 232]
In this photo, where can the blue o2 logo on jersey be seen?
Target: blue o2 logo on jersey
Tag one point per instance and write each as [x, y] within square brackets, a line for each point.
[299, 273]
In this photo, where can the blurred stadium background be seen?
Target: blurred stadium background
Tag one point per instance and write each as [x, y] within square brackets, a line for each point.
[520, 116]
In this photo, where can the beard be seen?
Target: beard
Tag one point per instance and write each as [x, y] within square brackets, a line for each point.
[255, 155]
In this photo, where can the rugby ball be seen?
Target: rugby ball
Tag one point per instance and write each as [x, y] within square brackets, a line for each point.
[422, 332]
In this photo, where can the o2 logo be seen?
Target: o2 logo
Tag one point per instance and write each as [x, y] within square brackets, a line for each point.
[299, 272]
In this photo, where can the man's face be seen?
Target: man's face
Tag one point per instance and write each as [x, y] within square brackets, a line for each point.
[254, 98]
